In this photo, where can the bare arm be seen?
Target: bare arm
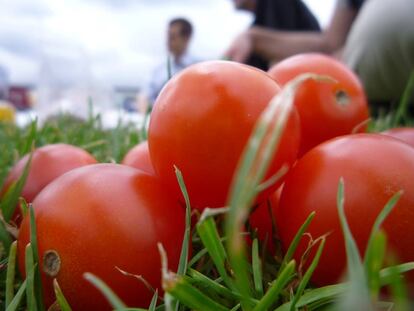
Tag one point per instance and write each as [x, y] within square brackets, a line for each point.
[276, 45]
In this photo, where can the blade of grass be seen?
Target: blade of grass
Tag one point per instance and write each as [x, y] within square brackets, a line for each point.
[358, 295]
[252, 168]
[182, 290]
[374, 265]
[153, 304]
[62, 302]
[295, 242]
[272, 294]
[17, 300]
[321, 294]
[11, 198]
[208, 233]
[387, 274]
[34, 245]
[11, 273]
[112, 298]
[398, 290]
[257, 269]
[30, 277]
[304, 282]
[405, 102]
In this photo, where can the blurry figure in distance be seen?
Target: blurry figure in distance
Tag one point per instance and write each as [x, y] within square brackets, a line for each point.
[179, 35]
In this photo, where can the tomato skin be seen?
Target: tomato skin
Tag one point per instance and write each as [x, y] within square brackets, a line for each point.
[139, 157]
[48, 163]
[406, 134]
[201, 122]
[100, 217]
[322, 116]
[374, 168]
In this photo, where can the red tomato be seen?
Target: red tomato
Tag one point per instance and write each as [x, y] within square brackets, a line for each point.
[326, 110]
[139, 158]
[48, 163]
[406, 134]
[374, 168]
[98, 218]
[201, 122]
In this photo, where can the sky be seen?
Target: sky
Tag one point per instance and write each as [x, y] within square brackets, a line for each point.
[111, 42]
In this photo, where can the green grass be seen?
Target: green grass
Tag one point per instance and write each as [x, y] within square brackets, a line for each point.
[224, 272]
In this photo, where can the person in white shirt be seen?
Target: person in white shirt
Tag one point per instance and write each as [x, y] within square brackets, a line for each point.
[179, 35]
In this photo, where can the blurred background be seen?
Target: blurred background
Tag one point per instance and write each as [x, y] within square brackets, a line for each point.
[56, 55]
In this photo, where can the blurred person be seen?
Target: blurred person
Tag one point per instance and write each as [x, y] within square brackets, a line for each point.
[286, 15]
[375, 38]
[179, 35]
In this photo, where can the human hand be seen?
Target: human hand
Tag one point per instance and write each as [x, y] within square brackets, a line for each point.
[240, 49]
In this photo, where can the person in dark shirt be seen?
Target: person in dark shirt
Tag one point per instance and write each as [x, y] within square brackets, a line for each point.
[286, 15]
[375, 38]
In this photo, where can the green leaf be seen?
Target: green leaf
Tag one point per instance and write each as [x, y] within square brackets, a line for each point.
[272, 294]
[153, 304]
[404, 104]
[387, 274]
[112, 298]
[61, 300]
[11, 273]
[374, 264]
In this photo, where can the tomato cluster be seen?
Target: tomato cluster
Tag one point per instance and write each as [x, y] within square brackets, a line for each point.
[102, 217]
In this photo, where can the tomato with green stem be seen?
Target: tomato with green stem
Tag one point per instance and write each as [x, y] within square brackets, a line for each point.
[374, 167]
[99, 219]
[202, 121]
[326, 109]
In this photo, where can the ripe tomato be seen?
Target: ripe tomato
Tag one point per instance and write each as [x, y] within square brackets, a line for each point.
[326, 110]
[138, 157]
[201, 122]
[406, 134]
[48, 163]
[374, 168]
[100, 217]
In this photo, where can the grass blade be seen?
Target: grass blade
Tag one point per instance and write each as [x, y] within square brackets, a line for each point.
[272, 294]
[153, 304]
[112, 298]
[295, 242]
[17, 300]
[182, 290]
[358, 295]
[387, 274]
[61, 300]
[374, 265]
[30, 277]
[207, 230]
[308, 275]
[33, 243]
[402, 111]
[257, 269]
[11, 273]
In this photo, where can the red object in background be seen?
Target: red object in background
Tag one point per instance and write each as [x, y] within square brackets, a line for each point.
[19, 96]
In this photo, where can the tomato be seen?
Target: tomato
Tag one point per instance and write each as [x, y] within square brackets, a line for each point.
[406, 134]
[48, 162]
[201, 122]
[100, 217]
[326, 110]
[374, 168]
[139, 158]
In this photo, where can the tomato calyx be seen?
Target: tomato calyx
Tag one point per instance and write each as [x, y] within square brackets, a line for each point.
[51, 263]
[342, 98]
